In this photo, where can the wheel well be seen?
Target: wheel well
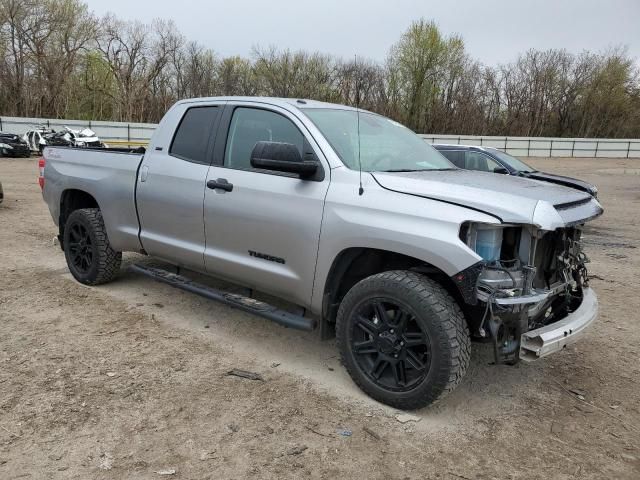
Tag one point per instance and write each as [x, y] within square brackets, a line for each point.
[70, 201]
[355, 264]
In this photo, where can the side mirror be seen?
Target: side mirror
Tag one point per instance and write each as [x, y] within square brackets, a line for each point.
[501, 170]
[281, 157]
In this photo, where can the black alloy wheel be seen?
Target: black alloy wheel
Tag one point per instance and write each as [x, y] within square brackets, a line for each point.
[390, 345]
[80, 248]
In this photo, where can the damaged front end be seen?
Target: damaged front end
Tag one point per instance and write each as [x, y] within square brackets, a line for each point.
[529, 290]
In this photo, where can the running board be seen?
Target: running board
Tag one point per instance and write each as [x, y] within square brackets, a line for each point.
[241, 302]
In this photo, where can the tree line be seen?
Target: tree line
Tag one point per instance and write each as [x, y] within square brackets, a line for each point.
[58, 60]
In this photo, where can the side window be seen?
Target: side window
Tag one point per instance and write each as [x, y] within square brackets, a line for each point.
[480, 161]
[250, 126]
[192, 136]
[455, 156]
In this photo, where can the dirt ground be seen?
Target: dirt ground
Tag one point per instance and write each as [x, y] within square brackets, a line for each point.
[128, 380]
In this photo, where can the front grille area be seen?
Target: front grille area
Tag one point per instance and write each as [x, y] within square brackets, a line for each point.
[558, 258]
[18, 149]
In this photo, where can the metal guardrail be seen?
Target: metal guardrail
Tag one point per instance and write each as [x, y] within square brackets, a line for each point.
[630, 149]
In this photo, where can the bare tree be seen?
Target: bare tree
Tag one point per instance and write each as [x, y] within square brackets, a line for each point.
[58, 60]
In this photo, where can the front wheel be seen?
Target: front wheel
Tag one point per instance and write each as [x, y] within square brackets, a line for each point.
[403, 339]
[90, 257]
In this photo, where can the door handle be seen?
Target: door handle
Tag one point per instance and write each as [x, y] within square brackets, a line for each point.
[220, 183]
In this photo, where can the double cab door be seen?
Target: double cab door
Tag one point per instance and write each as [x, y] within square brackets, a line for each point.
[221, 216]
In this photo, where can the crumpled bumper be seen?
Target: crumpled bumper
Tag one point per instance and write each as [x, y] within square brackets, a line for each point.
[551, 338]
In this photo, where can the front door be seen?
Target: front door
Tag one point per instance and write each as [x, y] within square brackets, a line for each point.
[262, 228]
[170, 190]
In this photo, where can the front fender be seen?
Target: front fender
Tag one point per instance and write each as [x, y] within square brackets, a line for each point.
[417, 227]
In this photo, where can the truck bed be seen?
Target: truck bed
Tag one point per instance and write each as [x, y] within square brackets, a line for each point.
[109, 175]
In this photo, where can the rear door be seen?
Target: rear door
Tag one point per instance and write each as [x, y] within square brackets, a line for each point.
[264, 232]
[170, 189]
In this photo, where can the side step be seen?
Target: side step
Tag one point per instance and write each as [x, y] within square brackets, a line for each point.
[241, 302]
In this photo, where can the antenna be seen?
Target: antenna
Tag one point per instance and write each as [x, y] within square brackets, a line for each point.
[360, 190]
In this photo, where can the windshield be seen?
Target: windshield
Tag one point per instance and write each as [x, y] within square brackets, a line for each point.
[513, 162]
[384, 145]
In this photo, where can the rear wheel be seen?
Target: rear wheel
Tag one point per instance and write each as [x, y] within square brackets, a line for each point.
[403, 339]
[90, 257]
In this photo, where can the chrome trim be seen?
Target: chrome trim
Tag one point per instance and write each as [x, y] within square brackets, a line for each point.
[556, 336]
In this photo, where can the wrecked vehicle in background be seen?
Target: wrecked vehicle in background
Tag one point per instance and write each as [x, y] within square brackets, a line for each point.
[42, 137]
[11, 145]
[375, 236]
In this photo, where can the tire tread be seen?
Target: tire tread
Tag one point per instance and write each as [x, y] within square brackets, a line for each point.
[109, 260]
[453, 329]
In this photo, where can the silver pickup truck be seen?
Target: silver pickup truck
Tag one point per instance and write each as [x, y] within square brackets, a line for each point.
[378, 238]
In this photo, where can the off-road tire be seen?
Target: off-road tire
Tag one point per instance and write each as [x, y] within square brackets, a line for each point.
[438, 315]
[105, 264]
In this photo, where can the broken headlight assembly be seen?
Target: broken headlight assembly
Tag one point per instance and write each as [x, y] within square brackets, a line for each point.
[499, 247]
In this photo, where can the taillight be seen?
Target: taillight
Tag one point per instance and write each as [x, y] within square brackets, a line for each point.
[41, 177]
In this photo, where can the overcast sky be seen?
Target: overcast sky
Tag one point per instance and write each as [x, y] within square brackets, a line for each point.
[494, 31]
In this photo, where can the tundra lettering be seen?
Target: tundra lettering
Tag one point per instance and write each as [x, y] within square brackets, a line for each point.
[264, 256]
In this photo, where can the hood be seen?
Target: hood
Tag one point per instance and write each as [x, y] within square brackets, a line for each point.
[10, 138]
[562, 180]
[511, 199]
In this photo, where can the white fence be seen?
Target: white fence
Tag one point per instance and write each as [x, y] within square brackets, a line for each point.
[139, 134]
[548, 147]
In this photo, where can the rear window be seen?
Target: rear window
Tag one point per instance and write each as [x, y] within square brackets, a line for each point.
[192, 137]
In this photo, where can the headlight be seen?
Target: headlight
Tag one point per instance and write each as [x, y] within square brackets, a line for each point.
[484, 239]
[4, 145]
